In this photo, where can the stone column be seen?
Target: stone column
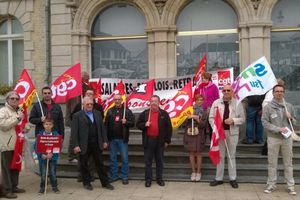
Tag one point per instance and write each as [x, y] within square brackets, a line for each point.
[254, 42]
[162, 55]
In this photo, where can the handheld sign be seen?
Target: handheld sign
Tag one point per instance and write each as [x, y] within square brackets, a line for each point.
[49, 143]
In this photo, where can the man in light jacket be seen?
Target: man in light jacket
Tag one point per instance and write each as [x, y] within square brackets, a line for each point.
[233, 116]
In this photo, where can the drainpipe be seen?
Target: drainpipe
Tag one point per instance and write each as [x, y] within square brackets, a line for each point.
[48, 79]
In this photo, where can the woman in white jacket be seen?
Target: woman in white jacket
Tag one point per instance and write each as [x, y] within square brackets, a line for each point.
[10, 116]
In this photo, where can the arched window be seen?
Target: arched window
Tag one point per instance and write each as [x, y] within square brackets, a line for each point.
[119, 43]
[11, 50]
[207, 26]
[285, 48]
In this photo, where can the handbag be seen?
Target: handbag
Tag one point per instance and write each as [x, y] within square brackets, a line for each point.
[191, 132]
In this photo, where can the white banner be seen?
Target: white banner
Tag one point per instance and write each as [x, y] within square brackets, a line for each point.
[257, 79]
[165, 88]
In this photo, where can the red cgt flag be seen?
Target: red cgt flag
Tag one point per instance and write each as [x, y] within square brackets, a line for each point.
[201, 69]
[97, 88]
[139, 97]
[68, 85]
[181, 105]
[109, 102]
[26, 90]
[218, 134]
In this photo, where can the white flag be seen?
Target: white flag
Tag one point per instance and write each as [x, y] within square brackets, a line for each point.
[257, 79]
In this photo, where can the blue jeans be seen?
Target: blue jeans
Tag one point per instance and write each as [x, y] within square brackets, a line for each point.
[254, 125]
[115, 146]
[51, 173]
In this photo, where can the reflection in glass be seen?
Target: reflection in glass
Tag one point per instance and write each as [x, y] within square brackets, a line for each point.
[119, 19]
[222, 53]
[3, 27]
[120, 59]
[285, 62]
[16, 27]
[18, 64]
[286, 14]
[3, 63]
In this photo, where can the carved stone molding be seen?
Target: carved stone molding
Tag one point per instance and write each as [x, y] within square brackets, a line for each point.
[255, 4]
[72, 3]
[160, 5]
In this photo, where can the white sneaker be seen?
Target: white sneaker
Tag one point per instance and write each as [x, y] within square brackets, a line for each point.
[292, 191]
[193, 176]
[270, 189]
[198, 177]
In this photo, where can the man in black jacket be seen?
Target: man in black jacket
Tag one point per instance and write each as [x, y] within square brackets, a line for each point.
[157, 132]
[117, 125]
[50, 110]
[89, 139]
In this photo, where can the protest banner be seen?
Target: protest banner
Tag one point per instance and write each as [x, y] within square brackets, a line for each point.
[49, 143]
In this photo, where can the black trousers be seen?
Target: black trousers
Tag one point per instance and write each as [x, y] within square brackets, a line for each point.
[153, 148]
[95, 152]
[10, 177]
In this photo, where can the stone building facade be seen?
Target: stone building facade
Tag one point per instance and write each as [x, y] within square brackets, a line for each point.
[72, 23]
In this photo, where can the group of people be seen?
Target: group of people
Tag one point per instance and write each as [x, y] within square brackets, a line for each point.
[91, 133]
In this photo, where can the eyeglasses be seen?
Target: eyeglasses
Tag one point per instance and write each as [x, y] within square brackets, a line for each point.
[46, 92]
[14, 98]
[226, 90]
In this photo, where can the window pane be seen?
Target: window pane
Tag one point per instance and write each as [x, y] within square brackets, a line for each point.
[18, 57]
[285, 62]
[3, 63]
[120, 59]
[222, 52]
[205, 15]
[3, 27]
[120, 19]
[16, 26]
[286, 13]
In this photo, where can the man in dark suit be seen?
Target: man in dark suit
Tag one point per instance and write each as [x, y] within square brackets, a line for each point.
[89, 138]
[157, 133]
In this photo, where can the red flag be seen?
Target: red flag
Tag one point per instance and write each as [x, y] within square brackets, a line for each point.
[218, 134]
[201, 69]
[119, 89]
[97, 88]
[180, 106]
[68, 85]
[26, 90]
[139, 97]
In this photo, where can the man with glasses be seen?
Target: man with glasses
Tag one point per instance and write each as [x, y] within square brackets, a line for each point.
[50, 110]
[10, 116]
[233, 116]
[117, 122]
[275, 119]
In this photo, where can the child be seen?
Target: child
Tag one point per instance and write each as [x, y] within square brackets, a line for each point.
[195, 142]
[53, 157]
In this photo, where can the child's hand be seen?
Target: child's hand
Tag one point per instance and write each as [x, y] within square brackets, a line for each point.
[44, 156]
[49, 155]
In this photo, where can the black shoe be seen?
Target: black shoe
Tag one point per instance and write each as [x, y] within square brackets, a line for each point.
[215, 183]
[18, 190]
[160, 183]
[111, 180]
[79, 179]
[10, 196]
[234, 184]
[88, 187]
[108, 186]
[125, 182]
[245, 141]
[148, 184]
[41, 191]
[258, 142]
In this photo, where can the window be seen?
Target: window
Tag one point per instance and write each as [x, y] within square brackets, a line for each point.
[285, 48]
[11, 51]
[207, 26]
[119, 44]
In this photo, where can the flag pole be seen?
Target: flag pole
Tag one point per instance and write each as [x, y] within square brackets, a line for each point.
[228, 153]
[294, 135]
[124, 110]
[43, 115]
[46, 177]
[192, 126]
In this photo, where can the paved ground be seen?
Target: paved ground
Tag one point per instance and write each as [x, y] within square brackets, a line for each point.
[136, 190]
